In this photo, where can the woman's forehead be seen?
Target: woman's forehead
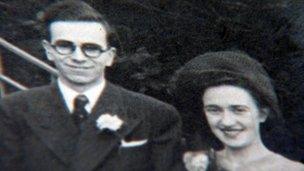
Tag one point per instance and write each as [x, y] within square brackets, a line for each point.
[227, 95]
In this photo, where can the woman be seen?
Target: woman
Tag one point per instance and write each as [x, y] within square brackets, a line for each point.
[224, 98]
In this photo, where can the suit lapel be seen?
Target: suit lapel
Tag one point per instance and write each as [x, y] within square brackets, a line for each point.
[94, 147]
[51, 121]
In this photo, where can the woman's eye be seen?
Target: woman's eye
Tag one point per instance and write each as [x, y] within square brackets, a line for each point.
[212, 109]
[239, 109]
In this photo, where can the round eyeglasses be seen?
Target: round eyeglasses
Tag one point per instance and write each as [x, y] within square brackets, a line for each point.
[90, 50]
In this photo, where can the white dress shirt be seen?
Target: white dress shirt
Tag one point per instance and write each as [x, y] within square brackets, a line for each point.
[92, 94]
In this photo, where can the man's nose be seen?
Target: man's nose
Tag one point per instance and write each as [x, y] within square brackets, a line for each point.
[228, 118]
[78, 55]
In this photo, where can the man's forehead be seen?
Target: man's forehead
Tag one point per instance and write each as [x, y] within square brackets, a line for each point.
[83, 24]
[86, 30]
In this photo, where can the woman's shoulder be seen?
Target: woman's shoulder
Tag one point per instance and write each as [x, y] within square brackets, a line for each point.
[278, 162]
[271, 161]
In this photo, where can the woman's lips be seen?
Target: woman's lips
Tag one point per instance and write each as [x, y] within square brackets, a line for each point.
[231, 132]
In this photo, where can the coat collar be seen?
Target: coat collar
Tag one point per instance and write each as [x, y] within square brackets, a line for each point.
[51, 121]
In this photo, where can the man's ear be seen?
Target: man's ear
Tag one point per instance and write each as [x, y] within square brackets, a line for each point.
[264, 112]
[111, 56]
[48, 49]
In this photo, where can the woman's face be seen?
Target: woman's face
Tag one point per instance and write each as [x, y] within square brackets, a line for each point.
[233, 115]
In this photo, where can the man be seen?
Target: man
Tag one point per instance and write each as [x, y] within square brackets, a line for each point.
[83, 122]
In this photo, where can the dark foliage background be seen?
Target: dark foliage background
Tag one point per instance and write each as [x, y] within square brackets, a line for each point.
[159, 36]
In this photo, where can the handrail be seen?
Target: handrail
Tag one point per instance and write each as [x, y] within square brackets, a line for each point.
[28, 57]
[12, 82]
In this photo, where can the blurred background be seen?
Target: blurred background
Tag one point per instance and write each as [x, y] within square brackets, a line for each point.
[157, 37]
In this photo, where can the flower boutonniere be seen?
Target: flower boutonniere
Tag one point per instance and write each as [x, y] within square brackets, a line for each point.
[109, 122]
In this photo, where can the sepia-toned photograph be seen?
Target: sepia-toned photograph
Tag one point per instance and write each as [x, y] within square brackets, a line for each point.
[152, 85]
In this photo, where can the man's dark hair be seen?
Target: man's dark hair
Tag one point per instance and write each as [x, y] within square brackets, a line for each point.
[75, 10]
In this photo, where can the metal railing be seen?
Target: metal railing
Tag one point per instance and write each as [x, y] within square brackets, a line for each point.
[30, 58]
[12, 82]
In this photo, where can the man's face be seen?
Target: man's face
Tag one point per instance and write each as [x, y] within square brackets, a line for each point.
[233, 115]
[79, 50]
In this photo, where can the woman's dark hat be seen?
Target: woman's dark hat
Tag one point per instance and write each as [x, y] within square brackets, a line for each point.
[222, 66]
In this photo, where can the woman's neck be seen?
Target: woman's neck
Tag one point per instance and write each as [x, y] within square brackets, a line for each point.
[250, 153]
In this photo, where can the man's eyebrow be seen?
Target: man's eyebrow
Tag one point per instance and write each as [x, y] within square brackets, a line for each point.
[62, 40]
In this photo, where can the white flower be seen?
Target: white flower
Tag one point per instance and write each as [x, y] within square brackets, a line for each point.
[196, 161]
[108, 122]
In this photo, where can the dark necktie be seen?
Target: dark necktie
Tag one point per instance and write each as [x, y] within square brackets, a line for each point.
[80, 114]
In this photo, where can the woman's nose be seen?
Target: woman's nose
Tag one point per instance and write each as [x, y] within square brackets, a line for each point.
[228, 119]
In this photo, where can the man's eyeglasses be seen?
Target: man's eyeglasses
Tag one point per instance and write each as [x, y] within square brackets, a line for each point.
[90, 50]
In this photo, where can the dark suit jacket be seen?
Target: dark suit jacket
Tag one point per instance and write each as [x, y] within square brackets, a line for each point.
[38, 134]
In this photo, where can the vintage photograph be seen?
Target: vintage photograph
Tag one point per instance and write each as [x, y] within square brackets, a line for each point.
[152, 85]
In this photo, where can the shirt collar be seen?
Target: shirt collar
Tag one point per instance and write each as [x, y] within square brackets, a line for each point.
[70, 94]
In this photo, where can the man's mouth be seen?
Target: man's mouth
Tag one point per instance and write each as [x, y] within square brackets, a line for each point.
[79, 67]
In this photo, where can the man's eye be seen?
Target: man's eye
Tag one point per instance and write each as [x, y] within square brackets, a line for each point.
[91, 47]
[64, 47]
[92, 50]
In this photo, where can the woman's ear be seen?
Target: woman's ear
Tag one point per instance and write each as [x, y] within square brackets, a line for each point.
[264, 112]
[47, 47]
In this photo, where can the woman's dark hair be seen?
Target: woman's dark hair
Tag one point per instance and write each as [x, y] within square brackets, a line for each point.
[192, 106]
[214, 69]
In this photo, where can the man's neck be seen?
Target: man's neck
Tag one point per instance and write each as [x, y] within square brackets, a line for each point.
[92, 92]
[80, 88]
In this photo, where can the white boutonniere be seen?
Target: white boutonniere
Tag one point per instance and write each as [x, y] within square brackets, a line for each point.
[109, 122]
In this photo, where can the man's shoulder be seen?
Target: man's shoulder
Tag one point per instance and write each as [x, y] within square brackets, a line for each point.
[139, 98]
[31, 94]
[158, 112]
